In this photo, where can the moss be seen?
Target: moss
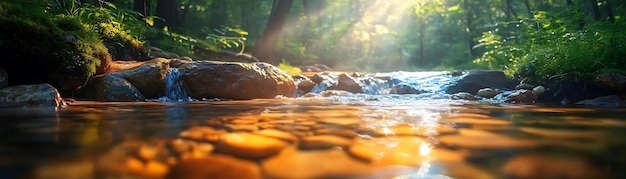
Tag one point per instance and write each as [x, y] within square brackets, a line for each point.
[121, 45]
[58, 50]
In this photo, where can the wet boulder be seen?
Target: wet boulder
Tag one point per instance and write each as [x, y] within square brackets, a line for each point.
[517, 96]
[611, 81]
[487, 93]
[149, 78]
[38, 95]
[464, 96]
[348, 83]
[478, 79]
[233, 80]
[405, 89]
[304, 84]
[113, 88]
[607, 101]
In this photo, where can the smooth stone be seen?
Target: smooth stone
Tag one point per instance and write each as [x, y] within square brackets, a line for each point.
[332, 163]
[155, 169]
[324, 141]
[215, 167]
[149, 152]
[241, 128]
[248, 145]
[529, 166]
[340, 122]
[347, 133]
[487, 92]
[408, 151]
[277, 134]
[564, 133]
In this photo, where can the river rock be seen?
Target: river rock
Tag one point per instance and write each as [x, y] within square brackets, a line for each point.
[525, 86]
[148, 78]
[405, 89]
[248, 145]
[409, 151]
[609, 101]
[348, 83]
[487, 92]
[215, 167]
[527, 166]
[331, 163]
[478, 79]
[114, 88]
[611, 81]
[4, 78]
[39, 95]
[305, 85]
[233, 80]
[323, 142]
[517, 96]
[464, 96]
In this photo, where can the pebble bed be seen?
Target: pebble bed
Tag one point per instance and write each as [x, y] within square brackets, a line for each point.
[361, 142]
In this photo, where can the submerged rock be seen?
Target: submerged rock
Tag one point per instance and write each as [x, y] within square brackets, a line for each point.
[331, 163]
[527, 166]
[236, 80]
[248, 145]
[215, 167]
[39, 95]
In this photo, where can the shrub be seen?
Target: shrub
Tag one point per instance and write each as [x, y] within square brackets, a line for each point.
[41, 48]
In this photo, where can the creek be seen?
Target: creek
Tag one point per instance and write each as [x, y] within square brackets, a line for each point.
[374, 135]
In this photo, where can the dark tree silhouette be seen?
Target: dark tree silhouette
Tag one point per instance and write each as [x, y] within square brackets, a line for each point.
[266, 48]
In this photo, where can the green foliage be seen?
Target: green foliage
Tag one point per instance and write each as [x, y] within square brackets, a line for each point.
[549, 47]
[290, 70]
[118, 28]
[41, 48]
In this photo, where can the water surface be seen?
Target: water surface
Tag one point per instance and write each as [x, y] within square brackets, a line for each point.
[360, 136]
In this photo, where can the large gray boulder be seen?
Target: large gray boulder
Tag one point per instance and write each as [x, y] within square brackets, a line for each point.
[38, 95]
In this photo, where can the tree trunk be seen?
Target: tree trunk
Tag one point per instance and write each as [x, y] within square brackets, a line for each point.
[596, 10]
[510, 9]
[609, 11]
[266, 48]
[166, 9]
[142, 7]
[469, 21]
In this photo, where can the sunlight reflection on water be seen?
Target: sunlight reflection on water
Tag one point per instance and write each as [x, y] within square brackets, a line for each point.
[390, 136]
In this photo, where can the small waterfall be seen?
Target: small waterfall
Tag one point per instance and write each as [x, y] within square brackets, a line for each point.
[174, 86]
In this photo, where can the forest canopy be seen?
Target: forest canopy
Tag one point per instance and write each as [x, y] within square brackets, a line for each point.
[541, 39]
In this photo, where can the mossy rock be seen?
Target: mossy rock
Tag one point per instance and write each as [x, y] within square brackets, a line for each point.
[121, 45]
[40, 48]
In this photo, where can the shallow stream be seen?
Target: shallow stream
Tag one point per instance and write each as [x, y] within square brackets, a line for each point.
[360, 136]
